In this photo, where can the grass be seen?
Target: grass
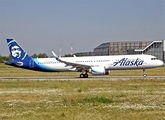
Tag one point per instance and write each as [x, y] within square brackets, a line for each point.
[104, 99]
[96, 99]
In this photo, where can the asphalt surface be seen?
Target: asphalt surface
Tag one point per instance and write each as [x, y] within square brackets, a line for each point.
[76, 77]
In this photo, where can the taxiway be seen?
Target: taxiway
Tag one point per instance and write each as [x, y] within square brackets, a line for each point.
[77, 78]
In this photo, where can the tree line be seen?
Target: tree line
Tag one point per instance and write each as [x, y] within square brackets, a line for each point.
[4, 58]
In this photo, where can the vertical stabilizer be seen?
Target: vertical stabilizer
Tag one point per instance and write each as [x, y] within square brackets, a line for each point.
[16, 51]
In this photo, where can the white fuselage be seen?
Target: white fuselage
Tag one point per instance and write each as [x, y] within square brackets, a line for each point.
[115, 62]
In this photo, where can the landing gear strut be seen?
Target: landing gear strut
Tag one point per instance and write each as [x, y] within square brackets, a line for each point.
[84, 75]
[144, 73]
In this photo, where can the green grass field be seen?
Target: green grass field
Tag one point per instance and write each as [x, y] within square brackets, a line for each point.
[99, 99]
[135, 99]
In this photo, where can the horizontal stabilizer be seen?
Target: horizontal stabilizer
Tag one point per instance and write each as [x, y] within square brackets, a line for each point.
[14, 63]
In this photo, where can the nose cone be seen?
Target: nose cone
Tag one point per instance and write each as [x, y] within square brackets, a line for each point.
[161, 63]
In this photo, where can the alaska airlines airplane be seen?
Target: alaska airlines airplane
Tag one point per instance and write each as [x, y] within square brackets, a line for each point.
[97, 65]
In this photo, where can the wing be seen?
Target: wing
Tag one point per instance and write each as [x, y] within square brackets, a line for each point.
[74, 65]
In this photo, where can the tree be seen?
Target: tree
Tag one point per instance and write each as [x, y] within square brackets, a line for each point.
[34, 55]
[68, 55]
[77, 55]
[0, 59]
[4, 58]
[40, 55]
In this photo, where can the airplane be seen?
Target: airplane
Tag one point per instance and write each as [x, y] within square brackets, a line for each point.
[96, 65]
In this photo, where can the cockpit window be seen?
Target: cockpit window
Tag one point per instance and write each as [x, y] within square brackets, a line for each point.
[154, 58]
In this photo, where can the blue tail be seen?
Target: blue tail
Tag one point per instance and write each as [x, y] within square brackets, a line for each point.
[16, 51]
[21, 59]
[19, 56]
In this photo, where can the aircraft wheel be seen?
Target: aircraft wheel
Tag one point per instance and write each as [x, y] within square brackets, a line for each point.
[81, 75]
[145, 75]
[85, 75]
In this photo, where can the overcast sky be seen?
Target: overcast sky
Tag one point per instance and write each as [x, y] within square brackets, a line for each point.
[41, 26]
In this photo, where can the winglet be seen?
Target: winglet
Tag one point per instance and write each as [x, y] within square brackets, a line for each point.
[74, 55]
[55, 56]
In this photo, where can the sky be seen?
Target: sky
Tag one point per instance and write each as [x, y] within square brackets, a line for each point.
[42, 26]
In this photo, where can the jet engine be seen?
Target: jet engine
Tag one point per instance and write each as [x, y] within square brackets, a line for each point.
[99, 70]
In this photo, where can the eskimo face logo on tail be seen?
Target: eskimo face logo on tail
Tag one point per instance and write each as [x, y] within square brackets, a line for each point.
[15, 51]
[129, 62]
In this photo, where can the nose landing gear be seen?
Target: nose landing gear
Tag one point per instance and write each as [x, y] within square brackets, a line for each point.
[144, 73]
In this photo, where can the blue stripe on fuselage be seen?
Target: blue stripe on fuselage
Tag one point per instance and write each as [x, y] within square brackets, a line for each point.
[43, 67]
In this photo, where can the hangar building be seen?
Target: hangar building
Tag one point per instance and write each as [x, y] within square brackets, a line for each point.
[156, 48]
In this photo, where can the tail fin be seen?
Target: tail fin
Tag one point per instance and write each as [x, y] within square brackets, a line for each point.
[16, 50]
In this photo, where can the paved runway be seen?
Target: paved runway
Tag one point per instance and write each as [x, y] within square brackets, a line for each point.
[77, 78]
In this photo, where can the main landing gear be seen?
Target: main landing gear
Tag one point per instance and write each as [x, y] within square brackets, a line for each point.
[82, 75]
[144, 73]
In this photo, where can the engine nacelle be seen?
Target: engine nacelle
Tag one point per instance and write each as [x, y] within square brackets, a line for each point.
[99, 70]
